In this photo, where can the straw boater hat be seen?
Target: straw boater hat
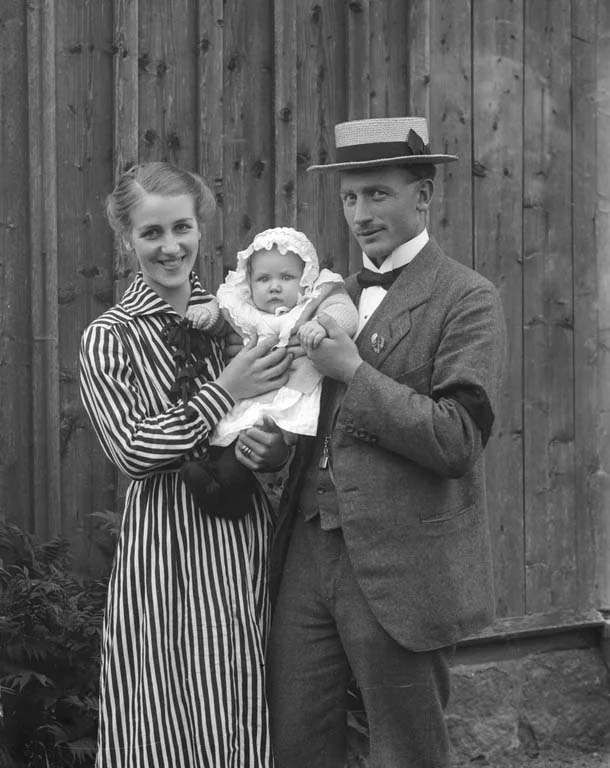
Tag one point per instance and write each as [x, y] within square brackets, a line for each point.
[382, 141]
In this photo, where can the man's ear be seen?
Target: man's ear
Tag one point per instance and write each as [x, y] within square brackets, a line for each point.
[426, 190]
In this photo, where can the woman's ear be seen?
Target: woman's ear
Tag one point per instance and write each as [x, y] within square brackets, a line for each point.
[126, 242]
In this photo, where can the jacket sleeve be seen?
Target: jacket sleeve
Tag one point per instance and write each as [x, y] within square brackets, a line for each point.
[139, 443]
[427, 415]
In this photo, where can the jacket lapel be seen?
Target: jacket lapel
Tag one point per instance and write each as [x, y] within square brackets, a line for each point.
[391, 321]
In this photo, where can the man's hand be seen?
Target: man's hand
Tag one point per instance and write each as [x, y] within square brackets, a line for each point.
[336, 356]
[262, 447]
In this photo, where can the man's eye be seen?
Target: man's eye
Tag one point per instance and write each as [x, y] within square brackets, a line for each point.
[378, 195]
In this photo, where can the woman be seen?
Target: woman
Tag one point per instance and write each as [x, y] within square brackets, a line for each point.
[186, 620]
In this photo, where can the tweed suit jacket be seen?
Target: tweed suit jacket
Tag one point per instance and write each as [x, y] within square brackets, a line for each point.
[407, 457]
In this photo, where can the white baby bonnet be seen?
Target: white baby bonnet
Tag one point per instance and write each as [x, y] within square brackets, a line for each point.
[235, 296]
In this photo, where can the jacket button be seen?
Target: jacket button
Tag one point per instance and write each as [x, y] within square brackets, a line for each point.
[349, 429]
[362, 433]
[321, 491]
[374, 439]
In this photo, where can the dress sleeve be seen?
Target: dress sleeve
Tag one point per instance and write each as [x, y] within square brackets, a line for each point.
[138, 442]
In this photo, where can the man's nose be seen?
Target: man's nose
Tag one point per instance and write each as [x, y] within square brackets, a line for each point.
[361, 211]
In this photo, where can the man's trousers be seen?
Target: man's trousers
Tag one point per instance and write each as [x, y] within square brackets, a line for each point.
[323, 627]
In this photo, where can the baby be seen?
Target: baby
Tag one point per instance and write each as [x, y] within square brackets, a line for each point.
[276, 288]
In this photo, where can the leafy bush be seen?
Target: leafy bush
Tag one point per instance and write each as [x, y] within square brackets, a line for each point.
[50, 628]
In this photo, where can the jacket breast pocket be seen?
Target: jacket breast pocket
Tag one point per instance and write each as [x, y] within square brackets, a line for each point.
[420, 378]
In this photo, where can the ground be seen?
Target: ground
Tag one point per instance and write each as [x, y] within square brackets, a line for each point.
[560, 757]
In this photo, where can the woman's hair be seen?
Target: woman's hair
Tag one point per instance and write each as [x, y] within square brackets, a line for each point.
[156, 178]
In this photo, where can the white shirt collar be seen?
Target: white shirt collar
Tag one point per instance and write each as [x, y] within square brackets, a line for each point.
[401, 255]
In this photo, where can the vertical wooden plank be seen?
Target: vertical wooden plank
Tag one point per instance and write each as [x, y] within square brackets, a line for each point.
[168, 81]
[248, 152]
[419, 62]
[586, 396]
[548, 311]
[600, 481]
[450, 125]
[126, 115]
[497, 201]
[43, 249]
[358, 59]
[358, 77]
[85, 270]
[210, 133]
[126, 130]
[285, 112]
[389, 69]
[15, 344]
[322, 103]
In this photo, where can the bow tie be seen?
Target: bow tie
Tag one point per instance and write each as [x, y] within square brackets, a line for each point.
[366, 277]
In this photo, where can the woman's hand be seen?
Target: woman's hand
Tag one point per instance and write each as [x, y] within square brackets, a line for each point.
[233, 346]
[262, 448]
[256, 369]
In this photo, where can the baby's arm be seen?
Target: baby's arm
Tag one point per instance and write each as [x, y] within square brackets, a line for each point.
[207, 317]
[310, 334]
[340, 307]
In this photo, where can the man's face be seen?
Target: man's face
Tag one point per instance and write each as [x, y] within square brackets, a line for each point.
[384, 207]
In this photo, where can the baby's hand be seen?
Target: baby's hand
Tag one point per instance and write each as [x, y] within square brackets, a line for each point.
[310, 334]
[199, 317]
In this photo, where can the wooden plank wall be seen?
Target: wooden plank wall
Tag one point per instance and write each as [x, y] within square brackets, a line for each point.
[248, 94]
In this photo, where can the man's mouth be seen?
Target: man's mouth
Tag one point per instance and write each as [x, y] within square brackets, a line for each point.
[367, 232]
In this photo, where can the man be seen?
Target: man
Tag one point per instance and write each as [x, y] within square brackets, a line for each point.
[389, 562]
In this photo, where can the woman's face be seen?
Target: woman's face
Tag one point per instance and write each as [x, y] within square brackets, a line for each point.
[165, 238]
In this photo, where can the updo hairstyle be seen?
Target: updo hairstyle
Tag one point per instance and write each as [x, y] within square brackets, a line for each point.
[156, 178]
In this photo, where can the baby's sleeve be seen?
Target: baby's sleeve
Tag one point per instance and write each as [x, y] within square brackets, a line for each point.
[342, 309]
[207, 317]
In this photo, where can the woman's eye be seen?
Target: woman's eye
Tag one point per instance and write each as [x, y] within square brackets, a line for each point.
[183, 227]
[150, 234]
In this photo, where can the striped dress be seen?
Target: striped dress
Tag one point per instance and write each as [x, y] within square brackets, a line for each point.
[182, 672]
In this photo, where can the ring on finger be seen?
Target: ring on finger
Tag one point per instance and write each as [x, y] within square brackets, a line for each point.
[245, 449]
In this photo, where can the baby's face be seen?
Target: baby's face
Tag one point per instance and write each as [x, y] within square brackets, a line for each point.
[274, 279]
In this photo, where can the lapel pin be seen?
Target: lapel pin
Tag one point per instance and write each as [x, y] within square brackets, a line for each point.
[377, 342]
